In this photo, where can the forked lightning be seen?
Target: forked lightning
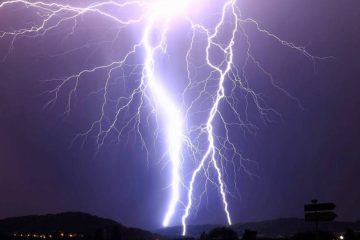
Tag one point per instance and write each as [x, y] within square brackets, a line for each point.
[195, 121]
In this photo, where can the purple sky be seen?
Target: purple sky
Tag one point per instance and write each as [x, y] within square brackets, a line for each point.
[312, 153]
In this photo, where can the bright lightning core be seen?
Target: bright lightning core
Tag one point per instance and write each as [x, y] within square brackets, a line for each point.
[169, 8]
[197, 120]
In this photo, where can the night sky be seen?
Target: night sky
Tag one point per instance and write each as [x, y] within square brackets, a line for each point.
[313, 152]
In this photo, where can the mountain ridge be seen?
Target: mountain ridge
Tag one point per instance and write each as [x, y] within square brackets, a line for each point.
[269, 228]
[71, 222]
[88, 225]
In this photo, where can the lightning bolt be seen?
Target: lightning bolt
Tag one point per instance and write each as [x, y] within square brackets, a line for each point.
[197, 129]
[220, 94]
[172, 115]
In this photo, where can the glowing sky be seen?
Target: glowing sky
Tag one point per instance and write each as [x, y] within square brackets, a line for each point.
[318, 144]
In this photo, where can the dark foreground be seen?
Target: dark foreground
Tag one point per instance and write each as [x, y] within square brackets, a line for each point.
[87, 227]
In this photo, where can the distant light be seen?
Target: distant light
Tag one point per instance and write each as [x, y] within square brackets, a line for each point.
[341, 237]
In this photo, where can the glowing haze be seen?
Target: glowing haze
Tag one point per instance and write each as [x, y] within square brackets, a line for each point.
[190, 120]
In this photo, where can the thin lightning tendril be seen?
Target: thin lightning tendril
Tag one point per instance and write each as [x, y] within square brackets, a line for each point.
[206, 148]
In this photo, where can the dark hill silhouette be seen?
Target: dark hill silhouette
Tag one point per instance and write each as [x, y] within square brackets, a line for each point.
[68, 222]
[71, 222]
[269, 228]
[90, 226]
